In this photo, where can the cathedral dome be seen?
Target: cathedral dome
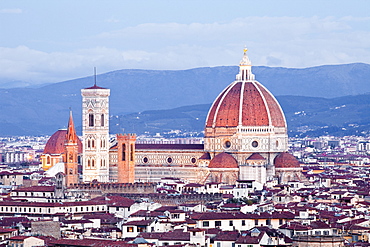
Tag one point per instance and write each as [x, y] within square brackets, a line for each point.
[245, 102]
[55, 144]
[223, 160]
[286, 160]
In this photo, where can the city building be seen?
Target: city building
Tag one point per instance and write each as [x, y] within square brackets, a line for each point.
[245, 131]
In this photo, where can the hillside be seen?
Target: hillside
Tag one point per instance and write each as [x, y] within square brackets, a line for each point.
[305, 116]
[38, 111]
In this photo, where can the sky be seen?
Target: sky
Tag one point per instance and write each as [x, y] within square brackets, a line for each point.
[52, 41]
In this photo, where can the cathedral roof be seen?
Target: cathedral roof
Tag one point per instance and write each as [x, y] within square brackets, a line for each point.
[245, 102]
[223, 160]
[286, 160]
[205, 156]
[55, 144]
[256, 156]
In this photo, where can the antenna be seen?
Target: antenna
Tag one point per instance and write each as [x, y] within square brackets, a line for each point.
[94, 76]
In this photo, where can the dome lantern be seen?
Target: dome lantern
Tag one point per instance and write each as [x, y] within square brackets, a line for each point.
[245, 69]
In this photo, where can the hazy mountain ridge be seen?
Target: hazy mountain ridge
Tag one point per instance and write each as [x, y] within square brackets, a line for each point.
[43, 110]
[312, 116]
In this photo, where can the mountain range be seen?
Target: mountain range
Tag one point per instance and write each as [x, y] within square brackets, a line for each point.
[324, 98]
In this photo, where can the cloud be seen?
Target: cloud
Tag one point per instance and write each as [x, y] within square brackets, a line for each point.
[11, 11]
[272, 41]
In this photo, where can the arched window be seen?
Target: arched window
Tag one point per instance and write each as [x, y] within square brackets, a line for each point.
[123, 152]
[88, 143]
[93, 143]
[91, 120]
[48, 160]
[102, 120]
[93, 163]
[88, 163]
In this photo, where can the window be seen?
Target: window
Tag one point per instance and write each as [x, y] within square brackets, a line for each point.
[91, 120]
[256, 222]
[254, 144]
[268, 222]
[280, 221]
[123, 152]
[130, 229]
[102, 120]
[227, 144]
[218, 223]
[205, 223]
[243, 222]
[231, 223]
[218, 244]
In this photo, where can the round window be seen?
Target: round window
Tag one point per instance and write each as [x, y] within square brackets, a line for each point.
[169, 160]
[227, 144]
[145, 160]
[193, 160]
[254, 144]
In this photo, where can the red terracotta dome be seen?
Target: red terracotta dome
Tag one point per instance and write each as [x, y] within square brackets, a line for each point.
[223, 160]
[245, 102]
[258, 107]
[286, 160]
[256, 156]
[55, 144]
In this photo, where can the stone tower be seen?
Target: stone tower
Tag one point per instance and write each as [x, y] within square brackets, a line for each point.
[95, 130]
[126, 158]
[70, 157]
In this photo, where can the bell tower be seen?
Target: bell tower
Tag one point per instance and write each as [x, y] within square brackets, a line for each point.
[95, 131]
[70, 157]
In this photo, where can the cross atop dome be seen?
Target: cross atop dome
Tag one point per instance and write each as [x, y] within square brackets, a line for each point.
[245, 68]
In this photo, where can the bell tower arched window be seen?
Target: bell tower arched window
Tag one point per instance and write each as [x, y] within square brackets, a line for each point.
[91, 119]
